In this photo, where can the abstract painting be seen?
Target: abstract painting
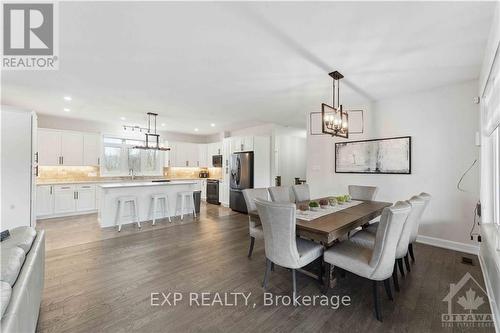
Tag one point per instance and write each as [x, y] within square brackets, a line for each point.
[382, 156]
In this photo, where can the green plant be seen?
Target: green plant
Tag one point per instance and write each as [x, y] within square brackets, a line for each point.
[340, 198]
[313, 204]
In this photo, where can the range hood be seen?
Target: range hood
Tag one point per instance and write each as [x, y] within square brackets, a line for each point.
[152, 138]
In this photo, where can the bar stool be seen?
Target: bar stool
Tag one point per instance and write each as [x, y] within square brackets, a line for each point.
[122, 201]
[183, 195]
[156, 198]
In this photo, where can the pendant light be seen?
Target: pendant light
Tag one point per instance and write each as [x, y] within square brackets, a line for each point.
[335, 120]
[153, 144]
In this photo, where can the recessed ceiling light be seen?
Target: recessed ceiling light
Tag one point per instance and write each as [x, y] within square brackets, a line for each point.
[123, 118]
[212, 124]
[162, 124]
[67, 98]
[66, 110]
[196, 130]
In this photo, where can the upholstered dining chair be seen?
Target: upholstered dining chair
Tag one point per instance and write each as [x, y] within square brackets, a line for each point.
[282, 246]
[377, 263]
[358, 192]
[413, 237]
[366, 237]
[254, 225]
[281, 194]
[301, 192]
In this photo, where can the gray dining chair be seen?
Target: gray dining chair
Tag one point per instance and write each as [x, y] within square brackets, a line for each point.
[366, 237]
[281, 194]
[413, 237]
[282, 246]
[301, 192]
[358, 192]
[254, 225]
[377, 263]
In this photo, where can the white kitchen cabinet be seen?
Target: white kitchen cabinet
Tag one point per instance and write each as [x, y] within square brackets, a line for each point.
[204, 189]
[91, 149]
[85, 198]
[239, 144]
[44, 200]
[49, 147]
[167, 155]
[203, 156]
[64, 199]
[71, 148]
[247, 143]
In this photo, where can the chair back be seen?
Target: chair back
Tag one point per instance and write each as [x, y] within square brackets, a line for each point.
[386, 240]
[301, 192]
[417, 205]
[358, 192]
[281, 194]
[426, 197]
[278, 223]
[250, 194]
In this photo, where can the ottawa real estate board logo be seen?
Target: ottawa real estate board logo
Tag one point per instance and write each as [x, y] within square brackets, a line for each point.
[30, 36]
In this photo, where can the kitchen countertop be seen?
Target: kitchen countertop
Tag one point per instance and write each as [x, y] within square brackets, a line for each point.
[113, 181]
[145, 184]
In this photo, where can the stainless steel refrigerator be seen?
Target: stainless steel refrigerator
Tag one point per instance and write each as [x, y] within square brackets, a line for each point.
[241, 177]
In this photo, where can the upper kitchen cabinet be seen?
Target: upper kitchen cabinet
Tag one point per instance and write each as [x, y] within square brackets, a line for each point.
[244, 143]
[70, 148]
[203, 160]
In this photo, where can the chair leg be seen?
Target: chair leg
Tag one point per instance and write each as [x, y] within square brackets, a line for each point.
[395, 277]
[267, 273]
[320, 275]
[250, 250]
[388, 291]
[272, 266]
[136, 214]
[294, 282]
[410, 250]
[400, 265]
[407, 263]
[376, 300]
[194, 207]
[155, 201]
[120, 214]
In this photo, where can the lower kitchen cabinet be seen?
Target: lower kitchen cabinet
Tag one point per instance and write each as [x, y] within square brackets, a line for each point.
[65, 200]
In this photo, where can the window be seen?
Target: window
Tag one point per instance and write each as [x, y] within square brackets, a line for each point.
[119, 158]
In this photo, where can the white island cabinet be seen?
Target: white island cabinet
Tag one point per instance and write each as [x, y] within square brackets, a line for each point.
[143, 191]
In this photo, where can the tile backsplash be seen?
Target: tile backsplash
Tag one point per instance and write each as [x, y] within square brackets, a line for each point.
[68, 172]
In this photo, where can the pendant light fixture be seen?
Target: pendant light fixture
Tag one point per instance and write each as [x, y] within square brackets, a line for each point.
[153, 144]
[334, 119]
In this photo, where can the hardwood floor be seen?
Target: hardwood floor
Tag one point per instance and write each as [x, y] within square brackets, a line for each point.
[101, 281]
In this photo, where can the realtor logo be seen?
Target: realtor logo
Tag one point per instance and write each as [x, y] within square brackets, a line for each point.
[467, 305]
[29, 36]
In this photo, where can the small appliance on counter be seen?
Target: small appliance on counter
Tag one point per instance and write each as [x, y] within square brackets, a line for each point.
[203, 174]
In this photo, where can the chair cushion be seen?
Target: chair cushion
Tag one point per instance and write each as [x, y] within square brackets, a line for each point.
[12, 261]
[351, 257]
[22, 237]
[364, 238]
[256, 232]
[372, 228]
[5, 292]
[308, 251]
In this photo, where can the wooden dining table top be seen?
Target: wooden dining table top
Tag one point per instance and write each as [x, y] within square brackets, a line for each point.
[328, 228]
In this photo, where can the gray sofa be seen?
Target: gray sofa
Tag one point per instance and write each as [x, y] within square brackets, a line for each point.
[21, 279]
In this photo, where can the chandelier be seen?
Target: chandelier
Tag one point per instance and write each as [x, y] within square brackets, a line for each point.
[152, 138]
[334, 118]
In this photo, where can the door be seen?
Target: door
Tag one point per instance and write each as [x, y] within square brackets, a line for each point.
[44, 200]
[234, 177]
[85, 198]
[72, 148]
[64, 199]
[91, 149]
[49, 147]
[246, 170]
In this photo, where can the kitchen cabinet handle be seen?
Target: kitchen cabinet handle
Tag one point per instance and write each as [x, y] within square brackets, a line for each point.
[198, 163]
[66, 187]
[51, 190]
[241, 147]
[36, 171]
[187, 163]
[77, 195]
[62, 159]
[36, 157]
[98, 161]
[74, 195]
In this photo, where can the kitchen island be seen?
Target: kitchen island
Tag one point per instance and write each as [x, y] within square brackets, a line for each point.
[143, 191]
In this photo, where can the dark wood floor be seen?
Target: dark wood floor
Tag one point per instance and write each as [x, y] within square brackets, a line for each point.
[102, 282]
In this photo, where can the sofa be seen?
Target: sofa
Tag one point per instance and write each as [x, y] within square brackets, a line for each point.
[21, 279]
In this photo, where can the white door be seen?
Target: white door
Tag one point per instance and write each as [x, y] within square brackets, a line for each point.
[44, 200]
[49, 147]
[72, 148]
[91, 149]
[64, 199]
[85, 198]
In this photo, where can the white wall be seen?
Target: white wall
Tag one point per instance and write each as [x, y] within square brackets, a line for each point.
[442, 123]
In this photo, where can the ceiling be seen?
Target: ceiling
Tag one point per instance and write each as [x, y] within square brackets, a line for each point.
[243, 64]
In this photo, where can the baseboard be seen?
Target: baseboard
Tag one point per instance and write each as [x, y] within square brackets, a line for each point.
[44, 217]
[447, 244]
[493, 306]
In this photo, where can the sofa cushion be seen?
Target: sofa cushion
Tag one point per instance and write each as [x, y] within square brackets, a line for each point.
[12, 261]
[5, 292]
[22, 237]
